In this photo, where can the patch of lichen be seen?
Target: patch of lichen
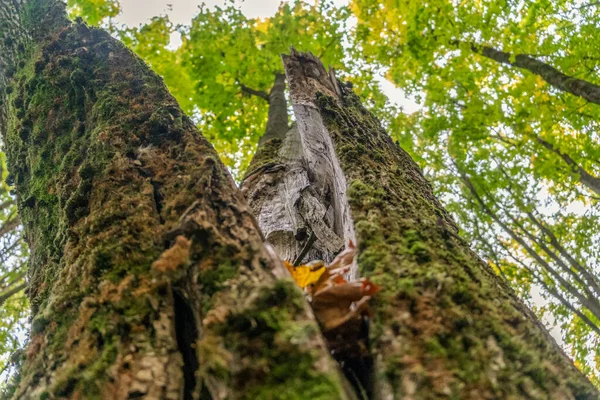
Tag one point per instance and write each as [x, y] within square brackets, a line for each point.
[268, 340]
[444, 324]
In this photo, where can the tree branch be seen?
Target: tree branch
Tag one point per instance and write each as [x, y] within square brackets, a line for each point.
[590, 303]
[587, 179]
[252, 92]
[551, 75]
[591, 280]
[555, 293]
[18, 278]
[9, 225]
[11, 291]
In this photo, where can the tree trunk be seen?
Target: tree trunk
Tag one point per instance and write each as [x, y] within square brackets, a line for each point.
[148, 276]
[277, 122]
[288, 189]
[444, 326]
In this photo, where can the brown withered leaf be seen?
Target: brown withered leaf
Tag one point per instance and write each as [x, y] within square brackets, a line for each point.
[337, 303]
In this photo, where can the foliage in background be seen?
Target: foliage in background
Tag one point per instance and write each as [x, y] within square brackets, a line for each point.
[509, 142]
[93, 12]
[14, 308]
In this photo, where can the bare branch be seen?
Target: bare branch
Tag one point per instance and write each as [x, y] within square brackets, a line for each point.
[551, 75]
[252, 92]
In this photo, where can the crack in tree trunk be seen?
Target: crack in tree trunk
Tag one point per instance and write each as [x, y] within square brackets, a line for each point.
[187, 335]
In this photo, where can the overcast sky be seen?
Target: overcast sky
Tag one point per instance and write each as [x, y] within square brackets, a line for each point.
[136, 12]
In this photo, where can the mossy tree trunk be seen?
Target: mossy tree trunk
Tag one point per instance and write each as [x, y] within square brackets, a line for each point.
[148, 276]
[444, 325]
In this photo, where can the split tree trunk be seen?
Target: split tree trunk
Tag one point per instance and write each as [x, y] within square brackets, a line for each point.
[148, 276]
[445, 326]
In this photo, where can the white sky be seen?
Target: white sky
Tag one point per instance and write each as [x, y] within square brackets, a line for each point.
[136, 12]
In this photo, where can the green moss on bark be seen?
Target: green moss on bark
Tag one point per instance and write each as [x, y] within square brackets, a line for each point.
[269, 341]
[266, 154]
[445, 326]
[124, 203]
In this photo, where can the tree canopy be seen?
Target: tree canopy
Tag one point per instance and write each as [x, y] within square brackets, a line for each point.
[507, 132]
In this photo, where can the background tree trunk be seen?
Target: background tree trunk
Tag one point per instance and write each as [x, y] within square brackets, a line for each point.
[148, 276]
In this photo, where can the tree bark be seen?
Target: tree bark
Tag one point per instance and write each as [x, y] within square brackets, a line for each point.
[444, 324]
[287, 190]
[148, 276]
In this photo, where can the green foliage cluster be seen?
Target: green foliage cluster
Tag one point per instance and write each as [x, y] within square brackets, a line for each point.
[223, 50]
[93, 12]
[13, 302]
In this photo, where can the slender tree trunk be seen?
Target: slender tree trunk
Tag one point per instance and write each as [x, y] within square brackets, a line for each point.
[277, 122]
[445, 326]
[554, 77]
[586, 179]
[148, 276]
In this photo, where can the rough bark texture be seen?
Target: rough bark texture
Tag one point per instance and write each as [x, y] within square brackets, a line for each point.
[290, 189]
[445, 326]
[148, 276]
